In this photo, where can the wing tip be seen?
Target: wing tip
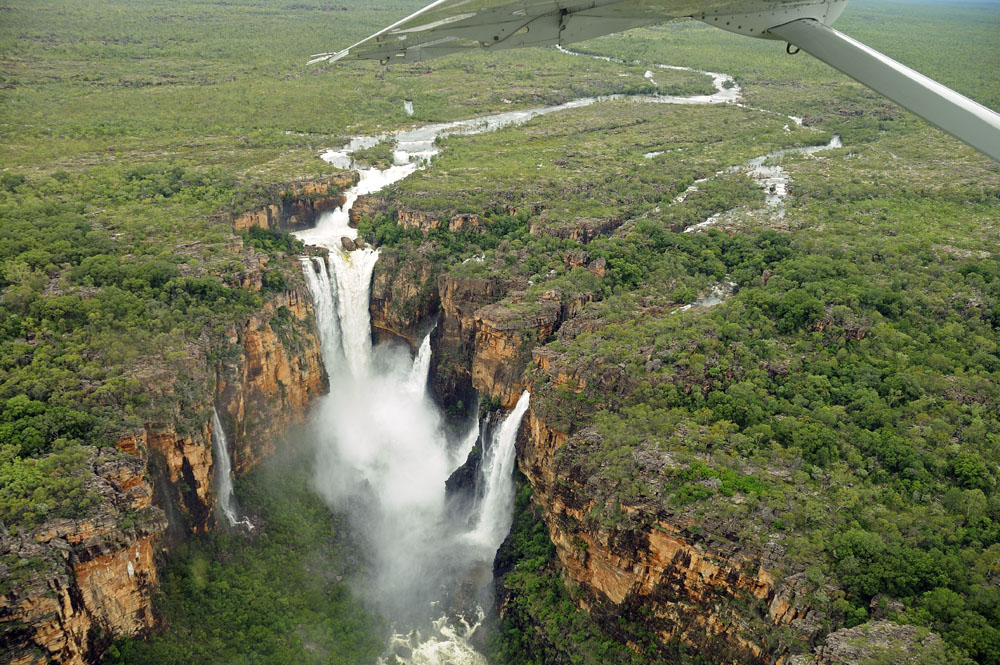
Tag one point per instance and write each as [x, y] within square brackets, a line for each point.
[327, 57]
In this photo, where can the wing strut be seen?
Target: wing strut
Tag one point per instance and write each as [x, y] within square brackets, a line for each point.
[956, 114]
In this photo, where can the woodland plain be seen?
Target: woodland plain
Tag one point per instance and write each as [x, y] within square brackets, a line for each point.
[846, 392]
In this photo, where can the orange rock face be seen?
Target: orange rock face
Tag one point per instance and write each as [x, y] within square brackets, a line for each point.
[86, 580]
[188, 466]
[403, 297]
[694, 586]
[269, 387]
[504, 336]
[78, 584]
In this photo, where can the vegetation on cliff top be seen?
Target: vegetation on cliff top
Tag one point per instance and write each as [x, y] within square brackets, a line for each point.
[856, 365]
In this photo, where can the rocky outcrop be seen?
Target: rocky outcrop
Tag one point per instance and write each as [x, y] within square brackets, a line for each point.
[582, 229]
[427, 221]
[268, 386]
[454, 337]
[367, 205]
[70, 586]
[505, 333]
[878, 643]
[296, 205]
[670, 573]
[404, 297]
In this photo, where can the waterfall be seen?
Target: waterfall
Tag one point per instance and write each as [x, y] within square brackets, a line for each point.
[224, 473]
[421, 365]
[318, 279]
[353, 273]
[496, 509]
[382, 449]
[383, 455]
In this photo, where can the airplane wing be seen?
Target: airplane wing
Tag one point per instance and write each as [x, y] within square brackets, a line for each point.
[455, 26]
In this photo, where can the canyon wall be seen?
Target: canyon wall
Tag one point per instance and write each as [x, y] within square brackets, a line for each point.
[72, 586]
[657, 572]
[266, 388]
[295, 206]
[669, 573]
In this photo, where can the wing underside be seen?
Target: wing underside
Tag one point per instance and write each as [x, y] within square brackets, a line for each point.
[450, 26]
[455, 26]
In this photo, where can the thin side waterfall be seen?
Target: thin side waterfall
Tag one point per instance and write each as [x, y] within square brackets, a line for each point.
[421, 365]
[224, 473]
[496, 509]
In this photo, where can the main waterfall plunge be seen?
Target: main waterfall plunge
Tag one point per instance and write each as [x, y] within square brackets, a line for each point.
[383, 456]
[383, 453]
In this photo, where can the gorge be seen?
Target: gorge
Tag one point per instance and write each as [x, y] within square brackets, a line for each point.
[627, 383]
[383, 452]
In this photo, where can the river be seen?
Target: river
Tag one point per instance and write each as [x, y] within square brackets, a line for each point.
[383, 451]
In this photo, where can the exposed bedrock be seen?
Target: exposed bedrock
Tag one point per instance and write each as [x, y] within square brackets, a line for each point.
[71, 586]
[296, 205]
[678, 577]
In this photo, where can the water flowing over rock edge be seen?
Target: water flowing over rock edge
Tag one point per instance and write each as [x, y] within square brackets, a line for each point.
[383, 454]
[494, 357]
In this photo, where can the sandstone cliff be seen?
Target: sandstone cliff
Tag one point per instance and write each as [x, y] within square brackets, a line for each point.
[296, 206]
[662, 571]
[669, 572]
[72, 586]
[404, 297]
[367, 205]
[268, 386]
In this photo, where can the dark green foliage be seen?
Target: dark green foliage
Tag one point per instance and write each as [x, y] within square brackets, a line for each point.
[39, 488]
[271, 240]
[94, 292]
[34, 428]
[270, 597]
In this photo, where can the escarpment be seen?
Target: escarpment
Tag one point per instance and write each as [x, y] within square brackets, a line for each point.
[403, 297]
[296, 205]
[643, 569]
[72, 586]
[639, 568]
[266, 388]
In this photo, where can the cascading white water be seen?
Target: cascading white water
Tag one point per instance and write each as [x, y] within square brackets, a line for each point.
[322, 290]
[224, 473]
[353, 273]
[495, 512]
[421, 365]
[382, 451]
